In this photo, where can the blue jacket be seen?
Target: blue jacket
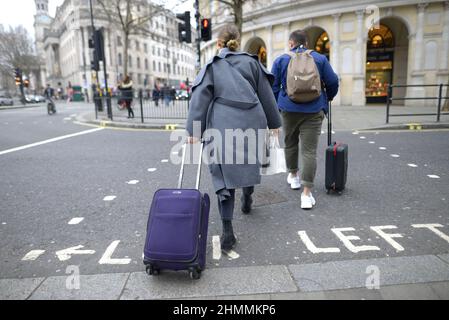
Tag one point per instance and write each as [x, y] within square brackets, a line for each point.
[327, 75]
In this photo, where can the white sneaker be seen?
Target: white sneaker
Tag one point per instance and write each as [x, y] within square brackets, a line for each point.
[307, 202]
[294, 181]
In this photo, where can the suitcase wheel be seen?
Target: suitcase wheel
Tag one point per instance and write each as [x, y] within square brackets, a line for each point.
[194, 273]
[152, 271]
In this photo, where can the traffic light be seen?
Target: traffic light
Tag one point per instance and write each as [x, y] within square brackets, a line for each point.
[206, 29]
[96, 43]
[26, 83]
[18, 76]
[184, 30]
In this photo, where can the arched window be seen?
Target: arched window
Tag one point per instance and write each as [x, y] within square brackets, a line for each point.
[323, 45]
[381, 37]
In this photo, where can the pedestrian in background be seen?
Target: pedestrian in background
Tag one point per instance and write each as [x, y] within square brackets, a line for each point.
[126, 89]
[156, 95]
[69, 92]
[233, 91]
[166, 95]
[173, 94]
[302, 121]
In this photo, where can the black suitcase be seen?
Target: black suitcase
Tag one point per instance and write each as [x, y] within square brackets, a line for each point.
[336, 160]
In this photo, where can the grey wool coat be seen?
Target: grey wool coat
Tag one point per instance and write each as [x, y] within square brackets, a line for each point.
[232, 91]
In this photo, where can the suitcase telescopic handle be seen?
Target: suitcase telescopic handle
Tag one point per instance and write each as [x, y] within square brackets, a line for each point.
[198, 173]
[329, 125]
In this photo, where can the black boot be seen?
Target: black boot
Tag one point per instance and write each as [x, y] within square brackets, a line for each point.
[246, 201]
[228, 239]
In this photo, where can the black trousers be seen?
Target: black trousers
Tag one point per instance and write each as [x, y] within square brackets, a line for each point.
[130, 110]
[226, 207]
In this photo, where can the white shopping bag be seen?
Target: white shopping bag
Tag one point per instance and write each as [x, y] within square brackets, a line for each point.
[276, 158]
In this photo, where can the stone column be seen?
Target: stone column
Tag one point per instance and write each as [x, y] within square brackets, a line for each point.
[269, 47]
[286, 35]
[417, 75]
[358, 90]
[335, 49]
[443, 72]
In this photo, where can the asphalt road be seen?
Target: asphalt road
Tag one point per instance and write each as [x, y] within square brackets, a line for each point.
[44, 187]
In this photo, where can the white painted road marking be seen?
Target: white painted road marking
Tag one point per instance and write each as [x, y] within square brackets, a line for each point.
[66, 254]
[152, 169]
[394, 155]
[312, 248]
[33, 255]
[372, 142]
[50, 140]
[382, 148]
[432, 227]
[216, 248]
[433, 176]
[412, 165]
[106, 258]
[347, 240]
[164, 160]
[133, 182]
[389, 237]
[362, 137]
[109, 198]
[76, 220]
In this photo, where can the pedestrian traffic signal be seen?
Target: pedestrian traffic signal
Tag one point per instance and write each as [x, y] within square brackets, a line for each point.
[184, 30]
[26, 83]
[206, 29]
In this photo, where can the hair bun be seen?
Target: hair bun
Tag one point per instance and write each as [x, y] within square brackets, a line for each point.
[232, 44]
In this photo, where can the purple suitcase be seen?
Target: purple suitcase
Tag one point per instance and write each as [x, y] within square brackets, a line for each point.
[177, 228]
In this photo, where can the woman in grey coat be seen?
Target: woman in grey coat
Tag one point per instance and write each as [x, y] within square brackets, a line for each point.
[232, 94]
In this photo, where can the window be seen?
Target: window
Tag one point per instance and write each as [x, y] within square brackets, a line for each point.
[119, 41]
[153, 50]
[130, 61]
[154, 65]
[138, 62]
[165, 67]
[179, 70]
[158, 52]
[145, 48]
[137, 45]
[168, 67]
[120, 59]
[380, 38]
[146, 64]
[159, 66]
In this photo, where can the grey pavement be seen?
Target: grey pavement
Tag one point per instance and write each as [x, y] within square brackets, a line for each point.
[416, 277]
[345, 118]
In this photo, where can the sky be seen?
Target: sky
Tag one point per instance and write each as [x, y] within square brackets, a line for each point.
[21, 12]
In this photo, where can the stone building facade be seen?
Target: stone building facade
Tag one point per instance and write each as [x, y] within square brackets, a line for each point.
[370, 44]
[63, 43]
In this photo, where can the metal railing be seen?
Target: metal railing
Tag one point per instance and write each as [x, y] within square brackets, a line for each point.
[143, 107]
[440, 99]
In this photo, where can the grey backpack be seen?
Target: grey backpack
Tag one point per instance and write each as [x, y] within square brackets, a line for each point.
[303, 77]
